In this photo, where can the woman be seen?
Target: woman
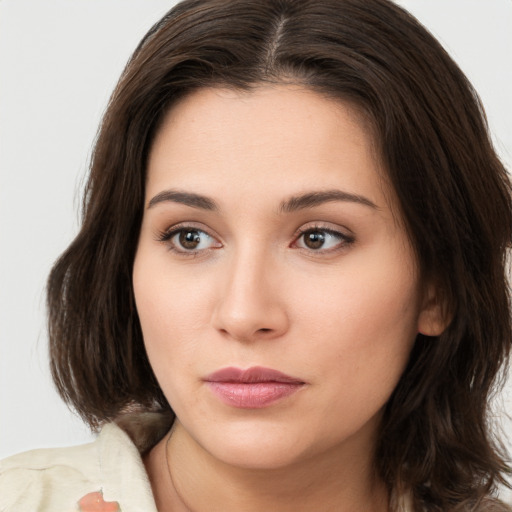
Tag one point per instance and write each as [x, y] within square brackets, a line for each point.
[289, 285]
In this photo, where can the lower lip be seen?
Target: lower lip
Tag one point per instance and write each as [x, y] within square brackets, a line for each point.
[253, 395]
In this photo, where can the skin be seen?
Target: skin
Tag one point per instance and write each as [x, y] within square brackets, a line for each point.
[342, 317]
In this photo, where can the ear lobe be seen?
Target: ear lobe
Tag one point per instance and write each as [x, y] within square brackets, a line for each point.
[434, 316]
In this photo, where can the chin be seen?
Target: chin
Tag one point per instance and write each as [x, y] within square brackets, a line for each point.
[255, 446]
[255, 457]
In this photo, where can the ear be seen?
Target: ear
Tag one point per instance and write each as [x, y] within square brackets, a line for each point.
[434, 316]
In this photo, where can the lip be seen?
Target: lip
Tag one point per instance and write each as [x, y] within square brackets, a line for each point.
[253, 388]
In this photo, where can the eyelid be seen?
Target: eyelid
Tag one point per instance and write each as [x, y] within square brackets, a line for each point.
[168, 234]
[169, 231]
[346, 239]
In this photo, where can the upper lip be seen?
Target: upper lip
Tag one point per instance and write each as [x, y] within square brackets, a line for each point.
[251, 375]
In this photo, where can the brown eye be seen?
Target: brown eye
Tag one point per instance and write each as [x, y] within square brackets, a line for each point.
[323, 240]
[314, 239]
[189, 239]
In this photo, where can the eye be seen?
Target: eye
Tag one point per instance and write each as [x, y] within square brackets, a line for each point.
[189, 240]
[321, 239]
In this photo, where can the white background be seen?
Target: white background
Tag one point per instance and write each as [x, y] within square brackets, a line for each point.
[59, 61]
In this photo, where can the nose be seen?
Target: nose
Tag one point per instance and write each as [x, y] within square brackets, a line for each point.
[250, 305]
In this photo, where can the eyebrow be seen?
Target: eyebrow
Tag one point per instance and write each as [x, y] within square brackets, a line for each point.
[186, 198]
[311, 199]
[295, 203]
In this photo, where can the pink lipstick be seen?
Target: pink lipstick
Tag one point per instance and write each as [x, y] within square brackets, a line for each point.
[254, 388]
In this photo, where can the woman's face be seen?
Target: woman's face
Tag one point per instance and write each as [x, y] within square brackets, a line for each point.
[270, 242]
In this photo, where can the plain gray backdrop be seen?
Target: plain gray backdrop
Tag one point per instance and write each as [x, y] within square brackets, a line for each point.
[59, 61]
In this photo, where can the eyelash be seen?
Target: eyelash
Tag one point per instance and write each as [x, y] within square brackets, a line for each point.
[345, 240]
[167, 236]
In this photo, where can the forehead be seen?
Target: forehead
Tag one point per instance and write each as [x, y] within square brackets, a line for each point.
[272, 136]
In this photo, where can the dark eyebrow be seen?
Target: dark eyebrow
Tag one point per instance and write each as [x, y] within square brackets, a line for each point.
[312, 199]
[295, 203]
[186, 198]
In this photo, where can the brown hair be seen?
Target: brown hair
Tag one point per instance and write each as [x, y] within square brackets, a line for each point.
[453, 191]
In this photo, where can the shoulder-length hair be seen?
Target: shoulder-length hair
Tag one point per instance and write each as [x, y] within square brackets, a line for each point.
[454, 195]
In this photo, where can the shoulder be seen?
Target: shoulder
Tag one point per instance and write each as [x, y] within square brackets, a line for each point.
[57, 476]
[57, 479]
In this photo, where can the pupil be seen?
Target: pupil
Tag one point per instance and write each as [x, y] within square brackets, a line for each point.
[189, 239]
[314, 239]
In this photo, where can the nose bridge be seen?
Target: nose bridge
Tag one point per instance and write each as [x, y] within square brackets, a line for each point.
[248, 305]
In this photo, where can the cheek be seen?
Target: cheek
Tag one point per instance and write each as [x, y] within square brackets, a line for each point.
[154, 302]
[172, 313]
[166, 299]
[362, 324]
[168, 317]
[158, 310]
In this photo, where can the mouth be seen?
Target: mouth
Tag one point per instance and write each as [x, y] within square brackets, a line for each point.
[253, 388]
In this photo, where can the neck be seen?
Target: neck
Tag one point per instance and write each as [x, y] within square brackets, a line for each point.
[185, 478]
